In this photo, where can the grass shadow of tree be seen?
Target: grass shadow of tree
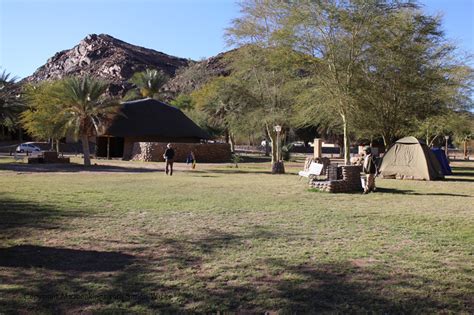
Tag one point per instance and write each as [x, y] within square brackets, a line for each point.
[172, 276]
[341, 287]
[73, 168]
[18, 217]
[461, 174]
[414, 193]
[62, 259]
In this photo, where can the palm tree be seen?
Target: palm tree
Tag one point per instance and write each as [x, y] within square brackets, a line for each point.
[149, 82]
[86, 108]
[10, 105]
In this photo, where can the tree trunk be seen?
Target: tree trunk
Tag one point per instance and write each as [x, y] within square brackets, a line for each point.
[277, 164]
[385, 142]
[57, 146]
[267, 147]
[430, 143]
[347, 153]
[232, 142]
[267, 144]
[278, 168]
[273, 147]
[85, 150]
[226, 135]
[465, 149]
[108, 148]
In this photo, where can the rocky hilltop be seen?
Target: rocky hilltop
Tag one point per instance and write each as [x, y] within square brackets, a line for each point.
[109, 58]
[198, 73]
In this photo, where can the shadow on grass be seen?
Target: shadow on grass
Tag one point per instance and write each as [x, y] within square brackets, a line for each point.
[461, 174]
[342, 287]
[462, 171]
[71, 168]
[181, 282]
[227, 171]
[239, 171]
[412, 192]
[186, 274]
[254, 158]
[62, 259]
[454, 178]
[19, 218]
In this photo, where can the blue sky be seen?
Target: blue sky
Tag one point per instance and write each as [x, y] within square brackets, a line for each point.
[31, 31]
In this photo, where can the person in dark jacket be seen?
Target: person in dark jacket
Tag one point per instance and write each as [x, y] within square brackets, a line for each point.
[169, 156]
[370, 169]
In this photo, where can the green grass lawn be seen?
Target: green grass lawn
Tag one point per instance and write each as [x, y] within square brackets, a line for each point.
[126, 238]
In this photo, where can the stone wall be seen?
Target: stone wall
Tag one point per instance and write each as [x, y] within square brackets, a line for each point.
[204, 152]
[350, 181]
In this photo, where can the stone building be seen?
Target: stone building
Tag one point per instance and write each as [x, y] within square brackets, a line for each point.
[147, 124]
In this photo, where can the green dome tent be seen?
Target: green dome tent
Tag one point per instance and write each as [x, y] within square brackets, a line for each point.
[410, 158]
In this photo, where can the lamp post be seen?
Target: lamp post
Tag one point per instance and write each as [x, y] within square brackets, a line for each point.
[278, 167]
[278, 130]
[446, 145]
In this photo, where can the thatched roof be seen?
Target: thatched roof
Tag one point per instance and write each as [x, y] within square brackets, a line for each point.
[152, 118]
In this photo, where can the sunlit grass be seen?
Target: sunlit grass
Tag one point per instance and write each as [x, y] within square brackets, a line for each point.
[220, 238]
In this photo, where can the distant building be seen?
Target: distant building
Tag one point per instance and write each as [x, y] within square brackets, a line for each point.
[147, 120]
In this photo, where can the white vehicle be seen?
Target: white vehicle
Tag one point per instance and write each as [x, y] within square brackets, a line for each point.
[27, 147]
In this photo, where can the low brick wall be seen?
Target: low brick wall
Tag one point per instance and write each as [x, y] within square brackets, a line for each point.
[204, 152]
[350, 181]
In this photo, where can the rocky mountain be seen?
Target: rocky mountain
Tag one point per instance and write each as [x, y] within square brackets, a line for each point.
[198, 73]
[109, 58]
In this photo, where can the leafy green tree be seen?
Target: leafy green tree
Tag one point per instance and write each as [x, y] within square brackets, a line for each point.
[332, 33]
[409, 75]
[183, 102]
[336, 35]
[373, 68]
[11, 103]
[224, 100]
[44, 118]
[186, 103]
[457, 125]
[71, 105]
[149, 82]
[267, 72]
[463, 131]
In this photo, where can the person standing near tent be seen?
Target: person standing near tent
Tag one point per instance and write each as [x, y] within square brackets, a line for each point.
[370, 169]
[169, 156]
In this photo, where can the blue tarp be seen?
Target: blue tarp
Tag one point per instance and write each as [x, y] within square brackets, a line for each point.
[443, 161]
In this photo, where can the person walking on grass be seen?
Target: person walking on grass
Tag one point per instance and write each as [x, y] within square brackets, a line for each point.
[169, 156]
[191, 159]
[370, 169]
